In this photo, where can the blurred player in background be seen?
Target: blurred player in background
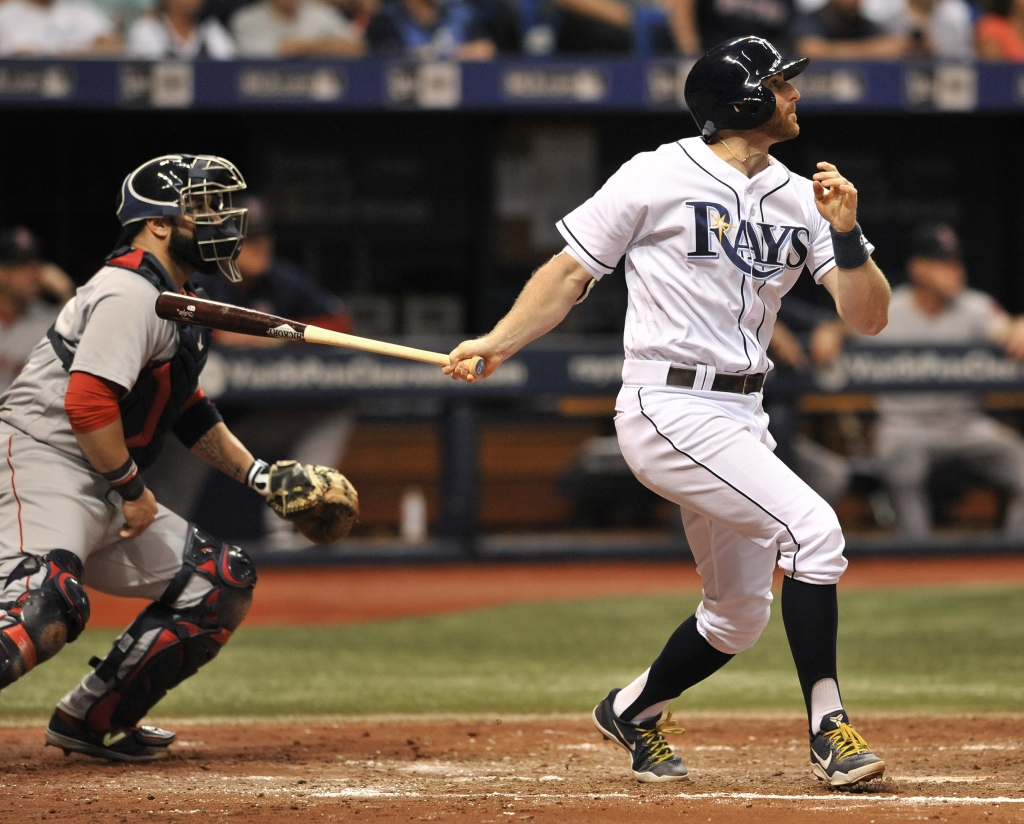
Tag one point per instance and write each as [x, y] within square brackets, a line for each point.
[270, 283]
[918, 430]
[31, 294]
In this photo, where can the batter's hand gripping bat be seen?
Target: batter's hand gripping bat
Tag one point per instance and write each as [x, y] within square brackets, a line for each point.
[228, 318]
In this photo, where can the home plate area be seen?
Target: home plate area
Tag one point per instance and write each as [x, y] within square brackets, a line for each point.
[521, 769]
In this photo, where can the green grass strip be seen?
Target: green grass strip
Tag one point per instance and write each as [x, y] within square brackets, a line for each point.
[917, 650]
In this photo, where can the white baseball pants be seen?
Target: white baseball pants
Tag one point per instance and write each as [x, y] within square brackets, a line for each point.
[742, 508]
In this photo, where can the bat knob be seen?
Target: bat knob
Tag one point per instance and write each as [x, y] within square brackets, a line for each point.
[477, 366]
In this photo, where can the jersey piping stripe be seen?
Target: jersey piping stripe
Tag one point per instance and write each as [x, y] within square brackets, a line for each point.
[743, 311]
[743, 296]
[14, 489]
[764, 310]
[826, 263]
[584, 248]
[773, 191]
[639, 397]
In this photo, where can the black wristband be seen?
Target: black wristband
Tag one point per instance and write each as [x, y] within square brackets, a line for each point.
[851, 248]
[132, 490]
[126, 481]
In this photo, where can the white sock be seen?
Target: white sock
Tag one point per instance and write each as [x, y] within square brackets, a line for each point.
[628, 695]
[824, 699]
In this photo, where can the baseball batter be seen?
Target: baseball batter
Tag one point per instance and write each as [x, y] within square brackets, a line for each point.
[714, 233]
[90, 410]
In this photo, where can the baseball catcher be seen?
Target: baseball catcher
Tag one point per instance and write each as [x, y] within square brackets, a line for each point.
[88, 413]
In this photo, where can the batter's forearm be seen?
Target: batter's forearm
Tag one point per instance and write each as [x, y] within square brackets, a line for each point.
[223, 451]
[542, 305]
[104, 448]
[862, 298]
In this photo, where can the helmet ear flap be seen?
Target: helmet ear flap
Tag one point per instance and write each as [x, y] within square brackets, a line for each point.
[724, 89]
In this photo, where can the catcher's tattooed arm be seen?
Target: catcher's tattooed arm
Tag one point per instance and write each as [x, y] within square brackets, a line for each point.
[222, 450]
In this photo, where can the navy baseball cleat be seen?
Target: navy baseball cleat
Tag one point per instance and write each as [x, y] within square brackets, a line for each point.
[653, 759]
[840, 756]
[135, 744]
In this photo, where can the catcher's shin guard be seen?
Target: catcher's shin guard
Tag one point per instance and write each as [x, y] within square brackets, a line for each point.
[170, 641]
[44, 608]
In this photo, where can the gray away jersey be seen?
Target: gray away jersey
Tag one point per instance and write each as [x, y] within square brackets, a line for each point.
[969, 319]
[112, 329]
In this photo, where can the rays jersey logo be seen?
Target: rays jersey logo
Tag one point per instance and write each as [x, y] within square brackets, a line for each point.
[760, 250]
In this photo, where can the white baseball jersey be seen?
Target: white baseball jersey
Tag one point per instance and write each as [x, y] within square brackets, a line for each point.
[709, 255]
[709, 252]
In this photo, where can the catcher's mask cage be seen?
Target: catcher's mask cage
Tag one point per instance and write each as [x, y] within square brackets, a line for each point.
[198, 187]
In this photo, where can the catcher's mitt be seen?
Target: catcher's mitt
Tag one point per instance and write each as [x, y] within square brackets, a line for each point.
[319, 500]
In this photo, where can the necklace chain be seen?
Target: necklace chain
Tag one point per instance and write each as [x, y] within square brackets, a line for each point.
[746, 157]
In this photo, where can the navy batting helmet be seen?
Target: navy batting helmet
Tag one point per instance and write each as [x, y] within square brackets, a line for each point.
[724, 88]
[199, 187]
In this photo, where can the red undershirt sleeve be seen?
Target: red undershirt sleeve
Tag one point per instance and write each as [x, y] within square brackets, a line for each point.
[91, 402]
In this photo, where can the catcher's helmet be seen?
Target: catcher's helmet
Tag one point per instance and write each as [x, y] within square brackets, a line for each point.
[196, 186]
[724, 91]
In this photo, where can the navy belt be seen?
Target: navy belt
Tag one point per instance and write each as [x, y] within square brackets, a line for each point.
[738, 384]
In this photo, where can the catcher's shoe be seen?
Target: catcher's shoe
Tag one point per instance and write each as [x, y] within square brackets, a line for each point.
[653, 759]
[134, 744]
[840, 756]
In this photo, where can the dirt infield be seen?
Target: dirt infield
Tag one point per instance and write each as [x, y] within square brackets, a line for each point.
[491, 770]
[343, 595]
[541, 769]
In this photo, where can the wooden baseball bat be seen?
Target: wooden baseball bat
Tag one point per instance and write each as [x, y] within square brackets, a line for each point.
[216, 315]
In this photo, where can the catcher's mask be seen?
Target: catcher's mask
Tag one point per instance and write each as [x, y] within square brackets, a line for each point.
[199, 187]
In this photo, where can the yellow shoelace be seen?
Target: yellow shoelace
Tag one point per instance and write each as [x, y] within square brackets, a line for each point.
[847, 741]
[655, 739]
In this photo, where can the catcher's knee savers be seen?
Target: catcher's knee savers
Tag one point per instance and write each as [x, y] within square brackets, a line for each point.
[168, 642]
[51, 611]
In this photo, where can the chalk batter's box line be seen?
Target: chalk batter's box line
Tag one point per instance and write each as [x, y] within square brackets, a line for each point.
[845, 798]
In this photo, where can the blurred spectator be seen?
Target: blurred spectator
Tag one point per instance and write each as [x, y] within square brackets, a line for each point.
[177, 33]
[700, 24]
[1000, 32]
[916, 431]
[429, 29]
[595, 26]
[357, 12]
[839, 31]
[501, 23]
[31, 294]
[125, 12]
[272, 284]
[33, 28]
[294, 28]
[939, 28]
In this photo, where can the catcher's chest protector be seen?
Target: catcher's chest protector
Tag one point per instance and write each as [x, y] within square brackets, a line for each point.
[150, 410]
